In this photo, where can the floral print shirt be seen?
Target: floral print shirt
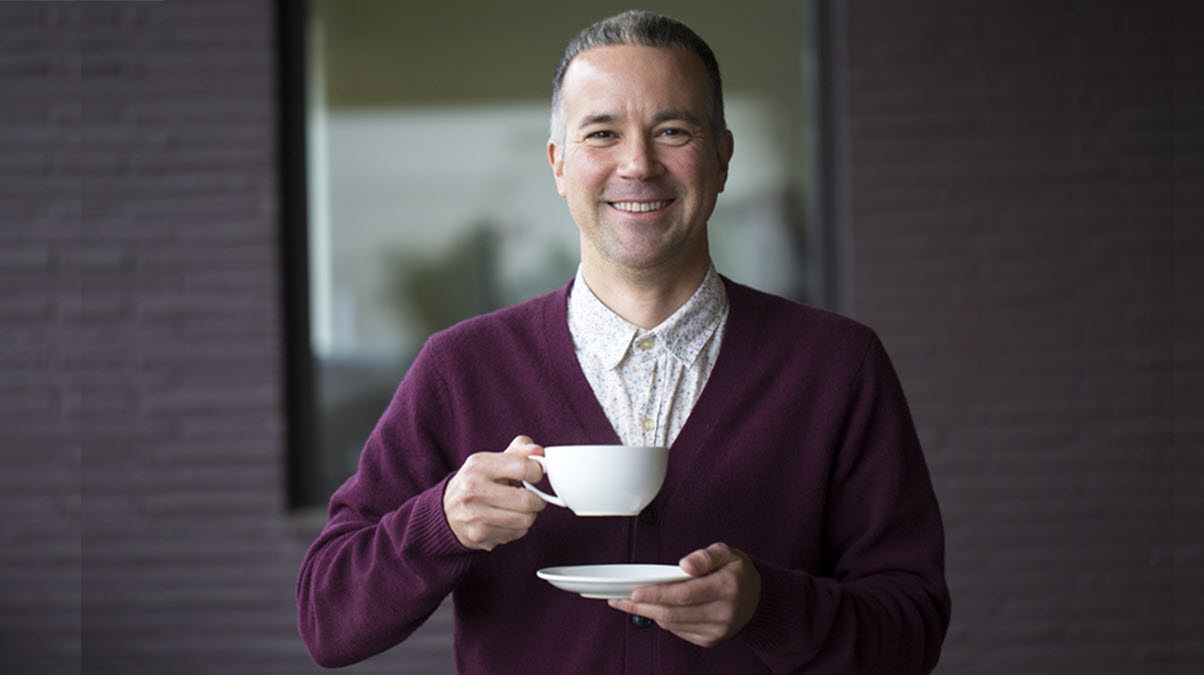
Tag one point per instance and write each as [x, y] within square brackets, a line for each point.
[647, 381]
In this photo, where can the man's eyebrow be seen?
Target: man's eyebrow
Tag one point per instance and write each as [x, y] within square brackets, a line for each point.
[677, 115]
[671, 115]
[596, 118]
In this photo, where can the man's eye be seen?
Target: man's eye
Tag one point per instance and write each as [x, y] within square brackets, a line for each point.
[675, 135]
[601, 134]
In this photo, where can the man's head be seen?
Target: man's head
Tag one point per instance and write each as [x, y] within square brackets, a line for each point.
[639, 28]
[639, 153]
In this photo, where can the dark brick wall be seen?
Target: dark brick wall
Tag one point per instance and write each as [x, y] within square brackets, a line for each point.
[43, 365]
[1020, 190]
[144, 525]
[1022, 198]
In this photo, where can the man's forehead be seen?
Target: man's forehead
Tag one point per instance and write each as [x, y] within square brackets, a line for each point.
[599, 81]
[631, 56]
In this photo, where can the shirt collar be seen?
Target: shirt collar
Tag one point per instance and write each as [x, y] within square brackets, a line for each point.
[598, 331]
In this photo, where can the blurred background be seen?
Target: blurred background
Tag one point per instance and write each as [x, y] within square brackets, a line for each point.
[429, 193]
[225, 227]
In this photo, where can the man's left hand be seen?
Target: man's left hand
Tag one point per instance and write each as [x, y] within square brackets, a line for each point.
[708, 609]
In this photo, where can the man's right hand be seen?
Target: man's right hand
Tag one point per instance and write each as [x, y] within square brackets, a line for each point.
[485, 502]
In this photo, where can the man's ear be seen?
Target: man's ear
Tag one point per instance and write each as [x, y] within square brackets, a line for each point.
[556, 159]
[727, 146]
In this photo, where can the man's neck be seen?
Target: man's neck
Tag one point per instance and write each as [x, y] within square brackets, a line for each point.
[646, 299]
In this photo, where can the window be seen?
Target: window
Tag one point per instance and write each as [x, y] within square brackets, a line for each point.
[427, 197]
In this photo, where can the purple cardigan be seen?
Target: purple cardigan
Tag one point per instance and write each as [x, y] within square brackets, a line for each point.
[800, 452]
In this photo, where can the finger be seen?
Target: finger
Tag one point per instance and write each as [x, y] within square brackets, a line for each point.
[516, 499]
[706, 635]
[478, 523]
[484, 480]
[704, 625]
[497, 467]
[491, 494]
[523, 469]
[692, 592]
[487, 536]
[721, 585]
[502, 520]
[710, 618]
[707, 560]
[523, 445]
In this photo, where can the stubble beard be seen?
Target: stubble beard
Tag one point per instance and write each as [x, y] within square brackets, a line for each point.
[642, 254]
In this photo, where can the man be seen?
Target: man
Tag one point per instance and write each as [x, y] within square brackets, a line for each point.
[797, 496]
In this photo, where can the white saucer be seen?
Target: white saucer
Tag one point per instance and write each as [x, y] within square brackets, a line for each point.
[609, 581]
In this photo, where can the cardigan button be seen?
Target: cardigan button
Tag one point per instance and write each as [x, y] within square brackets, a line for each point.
[649, 515]
[641, 621]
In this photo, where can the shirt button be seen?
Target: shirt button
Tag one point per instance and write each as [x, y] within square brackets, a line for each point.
[647, 424]
[641, 621]
[646, 343]
[649, 515]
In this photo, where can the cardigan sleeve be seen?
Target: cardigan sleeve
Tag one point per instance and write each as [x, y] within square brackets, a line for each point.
[387, 557]
[881, 604]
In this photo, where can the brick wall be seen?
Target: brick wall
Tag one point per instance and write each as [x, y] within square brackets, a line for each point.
[41, 363]
[1022, 197]
[1020, 183]
[144, 527]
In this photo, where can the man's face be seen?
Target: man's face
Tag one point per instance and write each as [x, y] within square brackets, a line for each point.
[639, 165]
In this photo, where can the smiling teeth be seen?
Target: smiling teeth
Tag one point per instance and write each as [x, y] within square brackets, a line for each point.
[640, 207]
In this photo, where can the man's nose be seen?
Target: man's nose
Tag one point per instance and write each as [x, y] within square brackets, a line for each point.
[639, 160]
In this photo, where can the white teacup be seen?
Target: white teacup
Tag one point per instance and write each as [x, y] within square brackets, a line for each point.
[603, 480]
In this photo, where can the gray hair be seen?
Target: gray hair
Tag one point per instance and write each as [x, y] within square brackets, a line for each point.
[649, 30]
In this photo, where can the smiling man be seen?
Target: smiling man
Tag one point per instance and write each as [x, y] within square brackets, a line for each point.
[640, 166]
[797, 498]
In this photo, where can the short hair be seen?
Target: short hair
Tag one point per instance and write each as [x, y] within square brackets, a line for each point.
[645, 29]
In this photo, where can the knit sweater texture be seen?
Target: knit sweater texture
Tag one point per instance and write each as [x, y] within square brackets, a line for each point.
[800, 452]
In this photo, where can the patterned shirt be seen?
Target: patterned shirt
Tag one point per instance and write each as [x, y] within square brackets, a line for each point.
[647, 381]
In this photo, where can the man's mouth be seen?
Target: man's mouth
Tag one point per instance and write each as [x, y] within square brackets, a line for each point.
[641, 207]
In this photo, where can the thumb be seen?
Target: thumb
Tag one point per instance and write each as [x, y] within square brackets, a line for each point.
[523, 445]
[707, 560]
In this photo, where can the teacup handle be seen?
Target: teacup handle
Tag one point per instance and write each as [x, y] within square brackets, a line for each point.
[551, 499]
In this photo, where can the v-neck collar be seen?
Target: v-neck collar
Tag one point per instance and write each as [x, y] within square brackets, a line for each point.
[561, 365]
